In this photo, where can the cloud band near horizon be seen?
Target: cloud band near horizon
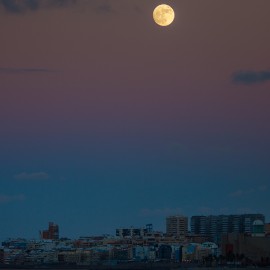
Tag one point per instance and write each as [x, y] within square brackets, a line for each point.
[251, 77]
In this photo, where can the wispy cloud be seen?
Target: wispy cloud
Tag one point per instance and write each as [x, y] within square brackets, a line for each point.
[160, 212]
[24, 70]
[11, 198]
[240, 193]
[262, 188]
[251, 77]
[244, 210]
[36, 176]
[245, 192]
[21, 6]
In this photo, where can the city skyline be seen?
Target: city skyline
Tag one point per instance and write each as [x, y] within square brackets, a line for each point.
[108, 120]
[209, 226]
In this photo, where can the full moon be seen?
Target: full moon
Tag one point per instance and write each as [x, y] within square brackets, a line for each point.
[163, 15]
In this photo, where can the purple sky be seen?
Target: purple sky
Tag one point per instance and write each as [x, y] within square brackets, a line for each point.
[108, 120]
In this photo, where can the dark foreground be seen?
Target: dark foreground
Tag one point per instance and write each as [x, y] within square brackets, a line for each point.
[129, 266]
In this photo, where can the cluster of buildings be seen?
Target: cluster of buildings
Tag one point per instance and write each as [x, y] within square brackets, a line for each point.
[215, 226]
[211, 241]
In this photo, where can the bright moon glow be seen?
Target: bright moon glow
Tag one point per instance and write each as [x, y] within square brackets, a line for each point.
[163, 15]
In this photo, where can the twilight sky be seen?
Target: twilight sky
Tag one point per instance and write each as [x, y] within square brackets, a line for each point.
[108, 120]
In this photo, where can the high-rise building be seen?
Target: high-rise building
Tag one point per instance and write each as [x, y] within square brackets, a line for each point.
[177, 226]
[52, 232]
[214, 226]
[199, 225]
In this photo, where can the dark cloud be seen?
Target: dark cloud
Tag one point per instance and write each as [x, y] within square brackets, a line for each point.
[61, 3]
[251, 77]
[21, 6]
[25, 70]
[14, 6]
[105, 8]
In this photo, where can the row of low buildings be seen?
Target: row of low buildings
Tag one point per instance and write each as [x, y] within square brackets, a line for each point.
[107, 250]
[234, 248]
